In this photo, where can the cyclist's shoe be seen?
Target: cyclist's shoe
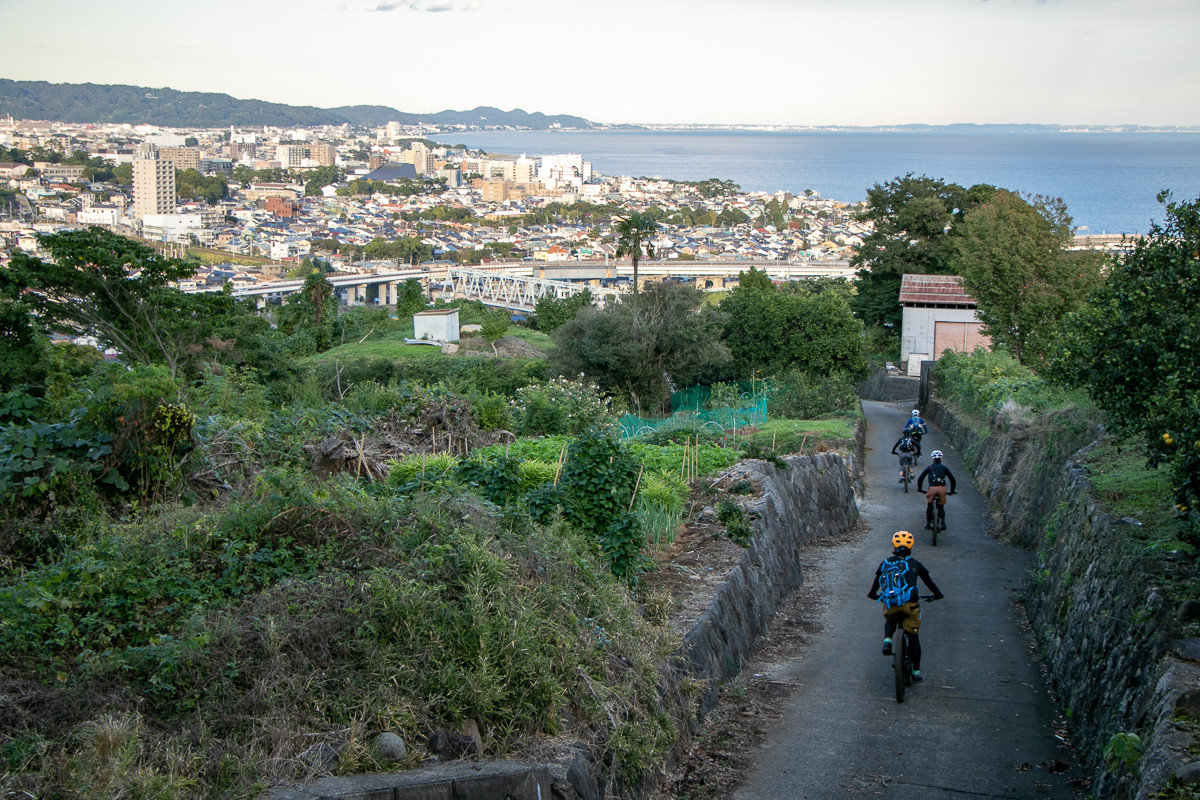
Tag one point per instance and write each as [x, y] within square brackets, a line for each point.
[887, 647]
[916, 676]
[928, 526]
[900, 479]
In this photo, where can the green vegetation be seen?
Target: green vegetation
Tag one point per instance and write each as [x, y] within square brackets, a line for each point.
[1129, 490]
[1014, 261]
[915, 229]
[1133, 347]
[256, 534]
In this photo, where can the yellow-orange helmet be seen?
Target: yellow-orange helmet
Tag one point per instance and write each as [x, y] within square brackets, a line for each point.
[903, 539]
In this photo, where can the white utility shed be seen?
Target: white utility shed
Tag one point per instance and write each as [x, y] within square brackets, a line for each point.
[439, 325]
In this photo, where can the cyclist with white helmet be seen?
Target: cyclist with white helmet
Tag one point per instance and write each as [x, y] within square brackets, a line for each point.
[895, 585]
[938, 474]
[916, 428]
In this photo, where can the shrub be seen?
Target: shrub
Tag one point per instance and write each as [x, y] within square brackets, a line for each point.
[796, 394]
[558, 406]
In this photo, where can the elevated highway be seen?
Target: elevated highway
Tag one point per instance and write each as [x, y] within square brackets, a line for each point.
[517, 285]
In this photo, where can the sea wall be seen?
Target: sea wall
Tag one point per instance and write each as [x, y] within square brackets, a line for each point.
[809, 497]
[1105, 630]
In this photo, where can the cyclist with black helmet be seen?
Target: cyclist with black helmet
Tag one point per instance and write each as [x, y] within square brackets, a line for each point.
[909, 447]
[938, 474]
[895, 585]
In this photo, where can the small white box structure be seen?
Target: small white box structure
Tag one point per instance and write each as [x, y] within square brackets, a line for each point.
[440, 325]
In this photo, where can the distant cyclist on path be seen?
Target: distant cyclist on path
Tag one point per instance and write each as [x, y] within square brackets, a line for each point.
[937, 473]
[895, 585]
[909, 447]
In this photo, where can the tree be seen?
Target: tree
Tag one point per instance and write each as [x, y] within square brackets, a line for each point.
[802, 325]
[117, 290]
[1135, 346]
[410, 299]
[190, 183]
[321, 177]
[678, 337]
[1012, 255]
[495, 325]
[633, 234]
[552, 313]
[914, 220]
[311, 314]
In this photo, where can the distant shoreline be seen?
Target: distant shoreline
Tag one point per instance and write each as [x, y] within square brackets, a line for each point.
[964, 127]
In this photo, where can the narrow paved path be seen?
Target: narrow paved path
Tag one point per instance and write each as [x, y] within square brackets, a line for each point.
[982, 723]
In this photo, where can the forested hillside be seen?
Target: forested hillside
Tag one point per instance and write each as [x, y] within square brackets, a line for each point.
[141, 105]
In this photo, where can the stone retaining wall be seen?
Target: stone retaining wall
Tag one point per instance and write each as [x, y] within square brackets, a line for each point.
[815, 496]
[1105, 632]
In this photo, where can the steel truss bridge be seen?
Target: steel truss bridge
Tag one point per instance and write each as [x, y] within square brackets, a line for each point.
[514, 292]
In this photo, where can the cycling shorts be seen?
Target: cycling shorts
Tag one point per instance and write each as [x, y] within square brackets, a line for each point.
[907, 458]
[908, 616]
[937, 493]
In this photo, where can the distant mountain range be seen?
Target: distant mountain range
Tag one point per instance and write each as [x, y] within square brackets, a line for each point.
[140, 105]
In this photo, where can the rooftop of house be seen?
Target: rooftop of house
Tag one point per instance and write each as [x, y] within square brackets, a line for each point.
[934, 290]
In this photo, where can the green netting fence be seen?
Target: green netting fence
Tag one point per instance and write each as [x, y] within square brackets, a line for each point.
[751, 411]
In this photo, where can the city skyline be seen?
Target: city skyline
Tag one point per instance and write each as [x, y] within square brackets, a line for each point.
[757, 62]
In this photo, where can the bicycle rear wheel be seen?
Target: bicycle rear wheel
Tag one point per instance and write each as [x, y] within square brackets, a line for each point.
[937, 525]
[899, 661]
[907, 477]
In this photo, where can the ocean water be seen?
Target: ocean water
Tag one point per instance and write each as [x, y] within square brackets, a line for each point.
[1108, 180]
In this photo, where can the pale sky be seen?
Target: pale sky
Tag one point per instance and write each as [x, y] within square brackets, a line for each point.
[768, 62]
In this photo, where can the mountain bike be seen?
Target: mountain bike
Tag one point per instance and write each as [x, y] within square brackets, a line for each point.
[939, 519]
[906, 470]
[902, 666]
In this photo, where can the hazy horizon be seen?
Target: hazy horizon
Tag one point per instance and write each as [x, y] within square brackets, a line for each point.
[794, 63]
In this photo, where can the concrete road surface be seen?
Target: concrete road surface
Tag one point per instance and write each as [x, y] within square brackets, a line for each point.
[980, 726]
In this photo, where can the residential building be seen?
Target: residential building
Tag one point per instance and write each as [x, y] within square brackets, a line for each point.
[184, 157]
[59, 173]
[324, 154]
[291, 156]
[153, 186]
[172, 227]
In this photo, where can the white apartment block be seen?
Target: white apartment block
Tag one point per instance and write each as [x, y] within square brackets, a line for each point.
[153, 186]
[103, 215]
[564, 169]
[171, 227]
[291, 156]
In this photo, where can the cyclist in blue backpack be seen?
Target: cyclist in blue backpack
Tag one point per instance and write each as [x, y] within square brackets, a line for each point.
[895, 585]
[916, 425]
[937, 473]
[916, 428]
[910, 448]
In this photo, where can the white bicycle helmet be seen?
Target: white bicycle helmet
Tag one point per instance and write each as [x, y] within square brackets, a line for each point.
[916, 413]
[936, 454]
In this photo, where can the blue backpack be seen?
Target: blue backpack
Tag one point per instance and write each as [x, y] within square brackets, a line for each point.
[897, 581]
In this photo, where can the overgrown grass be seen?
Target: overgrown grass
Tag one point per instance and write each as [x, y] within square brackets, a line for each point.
[538, 339]
[795, 436]
[201, 653]
[992, 384]
[391, 348]
[1128, 489]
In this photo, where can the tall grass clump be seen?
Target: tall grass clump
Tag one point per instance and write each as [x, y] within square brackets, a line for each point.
[991, 384]
[203, 652]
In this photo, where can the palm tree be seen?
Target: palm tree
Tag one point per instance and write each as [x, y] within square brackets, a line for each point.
[633, 233]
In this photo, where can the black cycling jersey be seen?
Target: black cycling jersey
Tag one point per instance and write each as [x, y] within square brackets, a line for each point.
[937, 473]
